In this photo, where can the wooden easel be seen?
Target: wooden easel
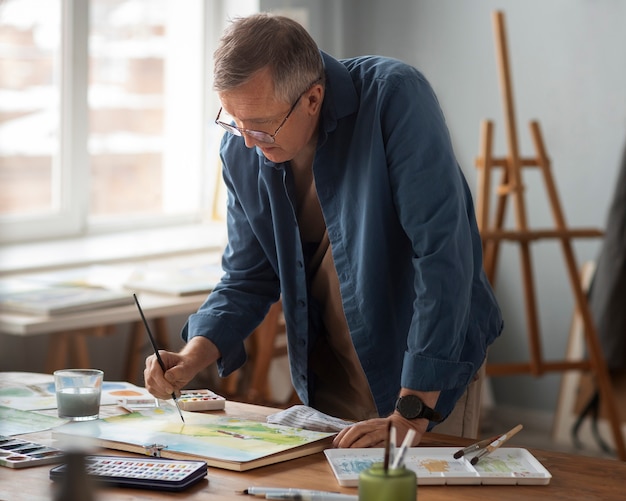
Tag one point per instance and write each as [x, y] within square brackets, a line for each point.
[494, 233]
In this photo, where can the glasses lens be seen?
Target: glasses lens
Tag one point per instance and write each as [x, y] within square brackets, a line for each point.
[257, 135]
[230, 128]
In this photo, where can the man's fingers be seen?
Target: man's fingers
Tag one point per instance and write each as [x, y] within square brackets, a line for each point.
[154, 379]
[370, 433]
[373, 432]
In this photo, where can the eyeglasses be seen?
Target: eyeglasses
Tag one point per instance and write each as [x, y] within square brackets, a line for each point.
[258, 135]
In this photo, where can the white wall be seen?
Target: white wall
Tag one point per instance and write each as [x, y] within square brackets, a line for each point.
[567, 63]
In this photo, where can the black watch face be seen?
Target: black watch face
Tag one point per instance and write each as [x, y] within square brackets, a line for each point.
[410, 406]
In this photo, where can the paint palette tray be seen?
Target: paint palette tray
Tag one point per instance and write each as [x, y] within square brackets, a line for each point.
[437, 466]
[17, 453]
[200, 400]
[153, 473]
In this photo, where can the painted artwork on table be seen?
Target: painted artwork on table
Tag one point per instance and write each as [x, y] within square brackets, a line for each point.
[222, 441]
[31, 391]
[17, 422]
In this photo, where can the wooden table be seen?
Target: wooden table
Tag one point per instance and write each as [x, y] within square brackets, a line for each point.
[573, 477]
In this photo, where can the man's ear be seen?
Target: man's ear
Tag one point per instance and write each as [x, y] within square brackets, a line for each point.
[314, 98]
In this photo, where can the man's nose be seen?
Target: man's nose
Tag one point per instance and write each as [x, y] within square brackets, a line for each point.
[250, 141]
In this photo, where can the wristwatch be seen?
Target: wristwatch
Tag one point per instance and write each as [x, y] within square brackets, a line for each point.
[413, 407]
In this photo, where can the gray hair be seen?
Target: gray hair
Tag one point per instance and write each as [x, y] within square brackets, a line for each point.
[251, 43]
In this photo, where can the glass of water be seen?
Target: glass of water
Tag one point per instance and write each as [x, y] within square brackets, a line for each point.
[78, 393]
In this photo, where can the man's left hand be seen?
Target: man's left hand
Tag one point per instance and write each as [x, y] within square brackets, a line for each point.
[373, 432]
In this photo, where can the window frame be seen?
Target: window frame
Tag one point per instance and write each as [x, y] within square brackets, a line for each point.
[69, 216]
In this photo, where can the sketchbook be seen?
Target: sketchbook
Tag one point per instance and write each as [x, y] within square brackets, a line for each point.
[181, 281]
[437, 466]
[66, 291]
[221, 441]
[55, 300]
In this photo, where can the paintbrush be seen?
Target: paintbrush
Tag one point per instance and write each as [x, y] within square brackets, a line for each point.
[495, 444]
[474, 447]
[156, 351]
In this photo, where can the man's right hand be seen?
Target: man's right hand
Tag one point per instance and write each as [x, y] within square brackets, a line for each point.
[180, 368]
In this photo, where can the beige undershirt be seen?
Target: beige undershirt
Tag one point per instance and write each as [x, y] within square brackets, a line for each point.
[341, 388]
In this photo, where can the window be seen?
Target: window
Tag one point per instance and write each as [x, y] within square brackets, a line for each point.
[30, 44]
[145, 106]
[105, 111]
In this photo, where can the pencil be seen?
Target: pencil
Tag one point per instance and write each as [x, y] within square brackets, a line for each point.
[495, 444]
[156, 351]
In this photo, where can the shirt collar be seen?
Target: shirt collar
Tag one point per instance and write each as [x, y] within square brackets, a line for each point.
[340, 98]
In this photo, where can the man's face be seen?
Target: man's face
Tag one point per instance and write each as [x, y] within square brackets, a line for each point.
[253, 106]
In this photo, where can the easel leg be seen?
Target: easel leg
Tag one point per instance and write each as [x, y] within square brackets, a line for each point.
[492, 246]
[530, 304]
[598, 363]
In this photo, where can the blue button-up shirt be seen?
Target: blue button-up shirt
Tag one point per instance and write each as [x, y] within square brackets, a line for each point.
[403, 235]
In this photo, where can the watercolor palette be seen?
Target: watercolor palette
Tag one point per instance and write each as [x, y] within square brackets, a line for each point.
[201, 400]
[437, 466]
[16, 453]
[157, 474]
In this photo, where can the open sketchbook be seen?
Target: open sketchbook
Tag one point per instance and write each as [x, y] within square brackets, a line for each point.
[56, 300]
[222, 441]
[65, 291]
[437, 466]
[175, 281]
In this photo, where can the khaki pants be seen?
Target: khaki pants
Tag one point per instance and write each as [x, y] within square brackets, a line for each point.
[464, 420]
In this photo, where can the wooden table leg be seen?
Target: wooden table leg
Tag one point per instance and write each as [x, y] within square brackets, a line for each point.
[138, 339]
[57, 350]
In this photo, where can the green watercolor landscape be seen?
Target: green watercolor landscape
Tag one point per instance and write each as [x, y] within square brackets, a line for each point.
[222, 441]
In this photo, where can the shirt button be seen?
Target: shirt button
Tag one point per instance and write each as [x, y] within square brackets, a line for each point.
[301, 303]
[300, 264]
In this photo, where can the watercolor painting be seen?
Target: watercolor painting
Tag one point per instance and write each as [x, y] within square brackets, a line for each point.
[17, 422]
[41, 395]
[221, 438]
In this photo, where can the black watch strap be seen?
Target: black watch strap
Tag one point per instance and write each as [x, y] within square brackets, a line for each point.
[413, 407]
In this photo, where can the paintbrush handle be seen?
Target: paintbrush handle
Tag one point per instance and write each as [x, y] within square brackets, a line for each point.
[406, 443]
[474, 447]
[156, 350]
[496, 444]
